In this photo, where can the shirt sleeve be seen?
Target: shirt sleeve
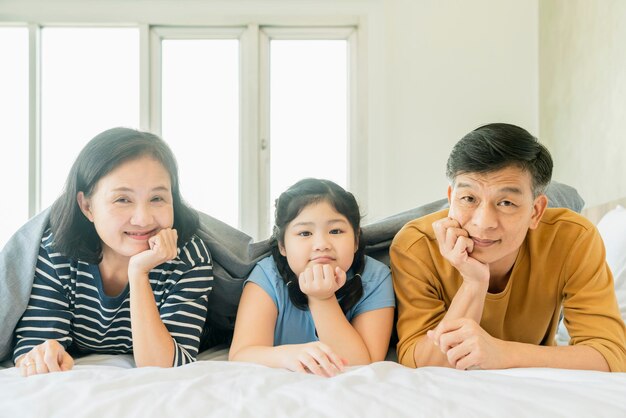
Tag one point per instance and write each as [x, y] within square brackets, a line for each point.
[184, 310]
[260, 278]
[418, 292]
[378, 291]
[48, 315]
[590, 307]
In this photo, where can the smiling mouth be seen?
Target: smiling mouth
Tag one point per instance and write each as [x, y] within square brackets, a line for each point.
[484, 242]
[140, 235]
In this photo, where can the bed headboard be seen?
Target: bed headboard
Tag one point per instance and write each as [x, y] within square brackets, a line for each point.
[595, 213]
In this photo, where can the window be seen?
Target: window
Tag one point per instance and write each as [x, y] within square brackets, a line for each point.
[200, 121]
[248, 110]
[14, 158]
[308, 112]
[89, 83]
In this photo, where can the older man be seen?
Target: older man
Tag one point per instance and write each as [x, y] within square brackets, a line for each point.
[482, 285]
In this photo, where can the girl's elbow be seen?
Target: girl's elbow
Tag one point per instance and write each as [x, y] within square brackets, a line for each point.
[232, 354]
[377, 358]
[379, 355]
[363, 360]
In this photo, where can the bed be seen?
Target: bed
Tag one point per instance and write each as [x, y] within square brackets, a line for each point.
[108, 386]
[101, 385]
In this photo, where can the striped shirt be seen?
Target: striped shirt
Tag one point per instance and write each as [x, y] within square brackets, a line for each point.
[68, 304]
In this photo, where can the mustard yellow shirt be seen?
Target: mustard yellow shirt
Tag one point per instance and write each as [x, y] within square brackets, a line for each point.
[560, 263]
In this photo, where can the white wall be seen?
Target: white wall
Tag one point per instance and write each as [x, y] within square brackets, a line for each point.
[435, 70]
[451, 66]
[583, 94]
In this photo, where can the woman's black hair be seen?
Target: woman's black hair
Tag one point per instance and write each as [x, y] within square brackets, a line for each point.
[288, 206]
[74, 235]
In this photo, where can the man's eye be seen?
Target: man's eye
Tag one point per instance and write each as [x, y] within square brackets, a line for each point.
[468, 199]
[506, 203]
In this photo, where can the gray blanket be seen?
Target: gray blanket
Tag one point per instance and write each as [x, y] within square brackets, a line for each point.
[234, 255]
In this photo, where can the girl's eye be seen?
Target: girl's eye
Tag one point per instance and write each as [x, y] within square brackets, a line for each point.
[304, 233]
[336, 231]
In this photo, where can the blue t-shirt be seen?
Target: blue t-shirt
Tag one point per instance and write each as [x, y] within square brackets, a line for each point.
[295, 326]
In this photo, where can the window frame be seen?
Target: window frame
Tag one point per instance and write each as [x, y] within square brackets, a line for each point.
[246, 138]
[254, 204]
[266, 35]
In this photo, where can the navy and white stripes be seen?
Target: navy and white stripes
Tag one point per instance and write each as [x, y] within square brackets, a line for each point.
[68, 304]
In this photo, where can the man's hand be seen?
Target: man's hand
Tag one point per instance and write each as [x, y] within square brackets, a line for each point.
[456, 246]
[468, 346]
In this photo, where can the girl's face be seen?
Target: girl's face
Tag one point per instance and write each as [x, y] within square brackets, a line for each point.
[319, 235]
[129, 205]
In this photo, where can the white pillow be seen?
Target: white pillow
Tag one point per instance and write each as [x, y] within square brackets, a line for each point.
[612, 228]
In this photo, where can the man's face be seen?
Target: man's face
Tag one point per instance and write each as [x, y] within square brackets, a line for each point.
[496, 209]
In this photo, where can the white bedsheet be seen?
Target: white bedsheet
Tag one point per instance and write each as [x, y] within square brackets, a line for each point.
[110, 386]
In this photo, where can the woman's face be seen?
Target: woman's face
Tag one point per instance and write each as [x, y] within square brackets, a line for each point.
[129, 205]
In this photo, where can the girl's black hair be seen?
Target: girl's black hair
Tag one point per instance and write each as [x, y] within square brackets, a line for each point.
[74, 235]
[288, 206]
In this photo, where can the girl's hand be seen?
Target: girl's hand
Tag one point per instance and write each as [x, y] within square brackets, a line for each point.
[163, 247]
[49, 356]
[321, 282]
[315, 357]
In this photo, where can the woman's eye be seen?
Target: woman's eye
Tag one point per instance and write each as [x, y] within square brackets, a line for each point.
[157, 199]
[121, 200]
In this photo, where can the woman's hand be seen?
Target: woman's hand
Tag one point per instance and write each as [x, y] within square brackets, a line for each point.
[163, 247]
[49, 356]
[321, 282]
[315, 357]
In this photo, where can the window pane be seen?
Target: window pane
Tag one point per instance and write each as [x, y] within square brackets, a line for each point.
[90, 82]
[13, 129]
[200, 121]
[308, 112]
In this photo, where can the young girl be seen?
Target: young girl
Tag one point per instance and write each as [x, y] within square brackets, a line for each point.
[119, 269]
[317, 303]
